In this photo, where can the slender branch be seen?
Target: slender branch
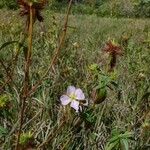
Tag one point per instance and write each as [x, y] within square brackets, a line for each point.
[57, 51]
[24, 96]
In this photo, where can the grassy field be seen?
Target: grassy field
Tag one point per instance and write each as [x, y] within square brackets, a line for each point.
[121, 121]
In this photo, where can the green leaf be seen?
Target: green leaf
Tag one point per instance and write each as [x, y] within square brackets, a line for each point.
[114, 138]
[7, 43]
[126, 135]
[111, 146]
[3, 131]
[124, 143]
[104, 80]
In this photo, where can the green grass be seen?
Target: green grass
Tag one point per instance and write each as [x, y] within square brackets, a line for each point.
[125, 109]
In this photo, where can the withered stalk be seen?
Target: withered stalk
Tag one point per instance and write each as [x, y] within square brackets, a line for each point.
[26, 92]
[24, 96]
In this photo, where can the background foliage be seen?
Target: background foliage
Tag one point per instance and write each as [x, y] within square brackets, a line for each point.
[121, 120]
[115, 8]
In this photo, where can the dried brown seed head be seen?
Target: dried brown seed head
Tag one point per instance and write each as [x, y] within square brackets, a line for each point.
[112, 48]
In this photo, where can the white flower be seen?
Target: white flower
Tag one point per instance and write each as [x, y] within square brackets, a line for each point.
[73, 96]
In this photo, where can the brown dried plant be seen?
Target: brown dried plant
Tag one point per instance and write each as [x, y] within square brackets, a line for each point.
[32, 11]
[113, 49]
[36, 8]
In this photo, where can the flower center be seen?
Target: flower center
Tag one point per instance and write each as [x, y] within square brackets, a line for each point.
[73, 96]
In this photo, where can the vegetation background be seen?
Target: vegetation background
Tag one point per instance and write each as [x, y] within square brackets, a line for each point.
[122, 120]
[113, 8]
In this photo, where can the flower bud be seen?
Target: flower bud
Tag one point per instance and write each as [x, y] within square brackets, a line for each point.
[99, 95]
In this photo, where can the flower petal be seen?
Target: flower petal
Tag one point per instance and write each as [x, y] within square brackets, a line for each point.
[70, 90]
[75, 105]
[79, 94]
[65, 100]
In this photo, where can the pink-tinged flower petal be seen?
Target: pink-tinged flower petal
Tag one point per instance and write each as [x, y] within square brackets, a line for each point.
[79, 94]
[71, 90]
[65, 100]
[75, 105]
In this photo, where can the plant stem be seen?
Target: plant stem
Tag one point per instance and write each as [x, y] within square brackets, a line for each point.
[57, 51]
[26, 92]
[24, 95]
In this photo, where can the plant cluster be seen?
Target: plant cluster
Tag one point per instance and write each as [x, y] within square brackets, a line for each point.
[106, 104]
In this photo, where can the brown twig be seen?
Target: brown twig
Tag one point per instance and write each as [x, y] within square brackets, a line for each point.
[57, 51]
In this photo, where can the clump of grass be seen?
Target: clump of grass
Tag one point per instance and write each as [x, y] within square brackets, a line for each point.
[26, 140]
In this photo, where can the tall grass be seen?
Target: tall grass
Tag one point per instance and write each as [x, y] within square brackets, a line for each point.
[124, 114]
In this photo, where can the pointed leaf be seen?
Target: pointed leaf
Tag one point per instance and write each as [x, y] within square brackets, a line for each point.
[3, 131]
[7, 43]
[111, 146]
[125, 144]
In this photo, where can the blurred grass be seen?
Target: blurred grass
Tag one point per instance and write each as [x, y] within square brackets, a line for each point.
[90, 34]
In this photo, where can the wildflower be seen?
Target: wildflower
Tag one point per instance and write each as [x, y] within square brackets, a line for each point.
[73, 96]
[36, 7]
[113, 49]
